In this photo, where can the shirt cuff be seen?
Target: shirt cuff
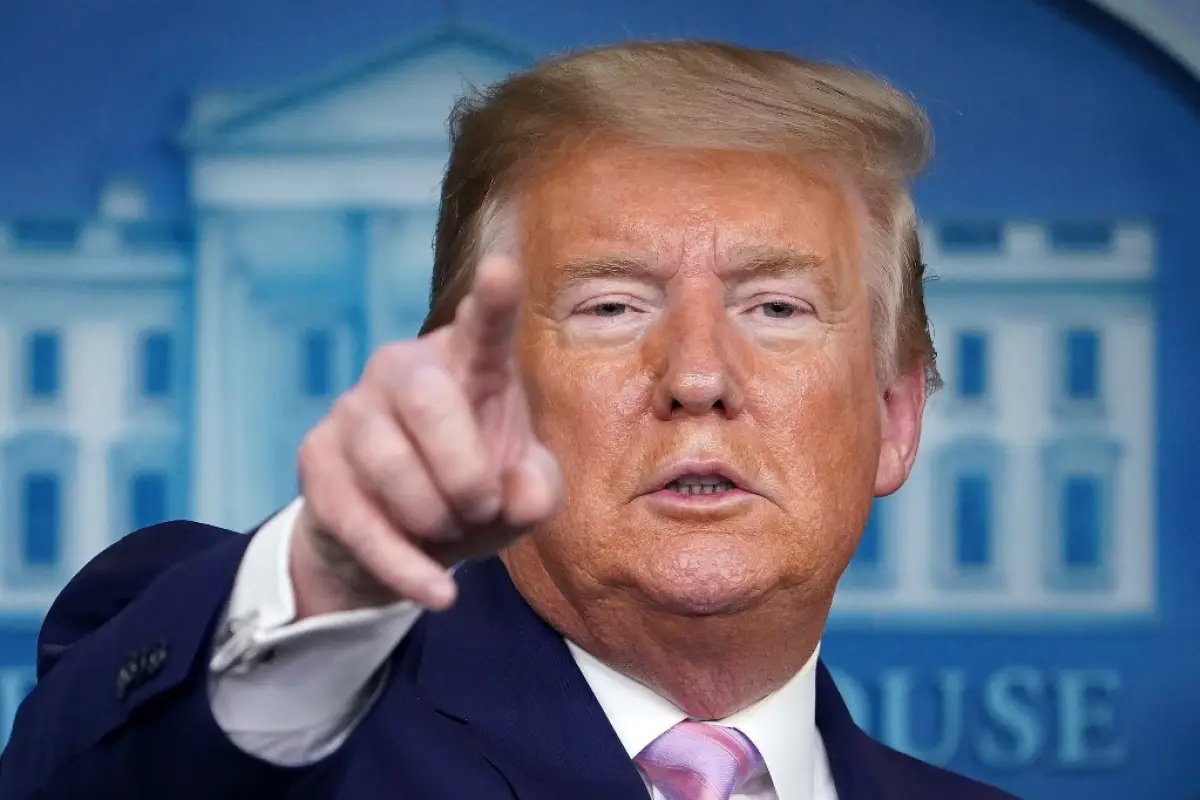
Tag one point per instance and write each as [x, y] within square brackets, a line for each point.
[305, 680]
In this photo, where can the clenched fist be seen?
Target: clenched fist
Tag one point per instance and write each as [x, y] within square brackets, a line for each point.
[430, 459]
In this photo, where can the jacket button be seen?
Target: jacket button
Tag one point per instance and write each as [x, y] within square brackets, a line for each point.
[125, 679]
[139, 667]
[153, 659]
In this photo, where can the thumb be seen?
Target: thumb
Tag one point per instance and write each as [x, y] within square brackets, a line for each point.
[533, 488]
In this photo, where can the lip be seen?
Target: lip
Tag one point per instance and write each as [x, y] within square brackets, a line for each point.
[705, 467]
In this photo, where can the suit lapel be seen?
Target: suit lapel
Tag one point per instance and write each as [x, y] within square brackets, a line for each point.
[846, 745]
[491, 663]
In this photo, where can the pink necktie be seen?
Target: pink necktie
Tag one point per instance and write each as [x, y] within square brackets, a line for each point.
[699, 761]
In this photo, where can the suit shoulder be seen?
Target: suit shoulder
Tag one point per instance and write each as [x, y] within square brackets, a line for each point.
[113, 578]
[911, 777]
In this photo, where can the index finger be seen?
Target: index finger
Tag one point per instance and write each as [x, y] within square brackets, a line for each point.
[487, 319]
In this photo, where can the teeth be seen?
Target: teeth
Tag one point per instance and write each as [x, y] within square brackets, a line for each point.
[701, 485]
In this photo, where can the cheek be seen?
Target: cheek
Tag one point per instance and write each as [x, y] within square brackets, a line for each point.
[829, 438]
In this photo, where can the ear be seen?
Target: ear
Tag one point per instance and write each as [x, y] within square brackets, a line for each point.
[901, 409]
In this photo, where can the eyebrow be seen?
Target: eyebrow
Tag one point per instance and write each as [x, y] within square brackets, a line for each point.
[771, 262]
[615, 266]
[742, 263]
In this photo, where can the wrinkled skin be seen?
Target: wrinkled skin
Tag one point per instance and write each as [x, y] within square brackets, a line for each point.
[701, 305]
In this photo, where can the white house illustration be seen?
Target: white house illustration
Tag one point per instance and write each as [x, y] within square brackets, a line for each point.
[94, 388]
[160, 368]
[314, 229]
[1033, 493]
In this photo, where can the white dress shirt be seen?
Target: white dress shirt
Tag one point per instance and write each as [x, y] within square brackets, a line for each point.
[290, 693]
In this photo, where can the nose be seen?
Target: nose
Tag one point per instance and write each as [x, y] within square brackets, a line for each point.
[699, 374]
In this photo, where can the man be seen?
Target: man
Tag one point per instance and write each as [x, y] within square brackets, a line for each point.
[676, 344]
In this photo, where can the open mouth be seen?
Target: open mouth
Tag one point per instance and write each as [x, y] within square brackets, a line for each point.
[700, 484]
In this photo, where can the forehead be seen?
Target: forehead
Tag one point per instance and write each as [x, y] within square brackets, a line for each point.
[683, 207]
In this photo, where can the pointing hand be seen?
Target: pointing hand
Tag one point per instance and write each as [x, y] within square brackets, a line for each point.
[430, 459]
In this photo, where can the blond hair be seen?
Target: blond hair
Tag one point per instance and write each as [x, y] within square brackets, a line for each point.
[705, 96]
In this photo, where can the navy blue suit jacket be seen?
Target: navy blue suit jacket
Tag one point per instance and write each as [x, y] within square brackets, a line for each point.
[482, 701]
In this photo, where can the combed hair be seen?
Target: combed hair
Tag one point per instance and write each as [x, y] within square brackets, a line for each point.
[696, 95]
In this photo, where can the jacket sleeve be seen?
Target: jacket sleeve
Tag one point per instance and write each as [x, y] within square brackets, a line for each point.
[121, 707]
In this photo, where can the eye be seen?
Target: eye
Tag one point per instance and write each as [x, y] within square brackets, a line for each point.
[611, 311]
[779, 309]
[608, 308]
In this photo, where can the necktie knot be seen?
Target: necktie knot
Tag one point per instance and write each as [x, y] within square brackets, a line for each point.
[699, 761]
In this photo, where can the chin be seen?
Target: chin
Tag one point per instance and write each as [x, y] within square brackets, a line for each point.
[707, 576]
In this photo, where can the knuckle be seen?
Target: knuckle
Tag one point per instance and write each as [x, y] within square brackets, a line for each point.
[469, 491]
[432, 521]
[390, 471]
[350, 407]
[435, 402]
[387, 361]
[383, 461]
[419, 505]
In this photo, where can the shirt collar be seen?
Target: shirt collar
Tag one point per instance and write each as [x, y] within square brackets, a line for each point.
[782, 725]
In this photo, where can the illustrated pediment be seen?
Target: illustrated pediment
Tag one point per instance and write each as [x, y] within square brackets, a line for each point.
[398, 98]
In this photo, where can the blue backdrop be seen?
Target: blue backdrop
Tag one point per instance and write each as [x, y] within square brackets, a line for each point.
[211, 213]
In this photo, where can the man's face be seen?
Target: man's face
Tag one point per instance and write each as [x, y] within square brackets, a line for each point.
[704, 316]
